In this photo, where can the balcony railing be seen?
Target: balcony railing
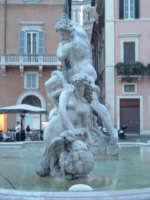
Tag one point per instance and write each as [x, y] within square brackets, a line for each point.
[136, 68]
[131, 70]
[14, 59]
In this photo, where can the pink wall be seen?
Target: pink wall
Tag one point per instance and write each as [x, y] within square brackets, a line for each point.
[141, 27]
[134, 27]
[138, 26]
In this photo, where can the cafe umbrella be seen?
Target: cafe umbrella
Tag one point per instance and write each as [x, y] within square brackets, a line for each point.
[22, 109]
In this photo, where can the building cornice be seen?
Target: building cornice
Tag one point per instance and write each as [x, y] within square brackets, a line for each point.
[32, 23]
[84, 2]
[132, 20]
[33, 3]
[129, 35]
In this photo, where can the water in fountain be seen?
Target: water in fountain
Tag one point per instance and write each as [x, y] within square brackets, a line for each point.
[128, 170]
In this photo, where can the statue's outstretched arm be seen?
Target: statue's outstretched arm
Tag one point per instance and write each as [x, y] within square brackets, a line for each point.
[56, 80]
[49, 85]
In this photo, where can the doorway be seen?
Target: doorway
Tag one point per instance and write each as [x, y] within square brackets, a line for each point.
[130, 115]
[33, 120]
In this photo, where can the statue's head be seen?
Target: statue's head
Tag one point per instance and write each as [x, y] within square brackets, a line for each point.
[64, 24]
[64, 28]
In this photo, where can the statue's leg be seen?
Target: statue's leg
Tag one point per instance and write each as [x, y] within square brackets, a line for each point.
[53, 129]
[103, 113]
[42, 168]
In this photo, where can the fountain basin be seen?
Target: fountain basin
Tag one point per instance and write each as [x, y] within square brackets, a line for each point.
[111, 175]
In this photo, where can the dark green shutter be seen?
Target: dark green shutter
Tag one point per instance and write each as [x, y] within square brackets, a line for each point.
[121, 9]
[137, 8]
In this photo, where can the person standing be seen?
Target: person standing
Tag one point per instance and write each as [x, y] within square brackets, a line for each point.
[18, 129]
[28, 130]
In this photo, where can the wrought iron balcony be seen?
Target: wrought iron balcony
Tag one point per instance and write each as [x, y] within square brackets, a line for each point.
[27, 60]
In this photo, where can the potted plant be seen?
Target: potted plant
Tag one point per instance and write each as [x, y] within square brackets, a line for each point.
[148, 69]
[138, 68]
[120, 68]
[129, 69]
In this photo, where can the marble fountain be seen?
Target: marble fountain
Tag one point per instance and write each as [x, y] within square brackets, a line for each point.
[75, 150]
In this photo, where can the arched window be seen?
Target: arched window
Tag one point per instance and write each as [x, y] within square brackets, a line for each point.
[32, 100]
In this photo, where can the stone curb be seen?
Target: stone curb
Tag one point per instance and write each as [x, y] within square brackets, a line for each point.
[136, 194]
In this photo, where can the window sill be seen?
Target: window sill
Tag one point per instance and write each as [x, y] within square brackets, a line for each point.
[120, 77]
[128, 20]
[31, 1]
[31, 88]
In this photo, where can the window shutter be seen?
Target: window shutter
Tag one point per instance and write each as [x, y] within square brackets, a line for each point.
[41, 42]
[21, 42]
[28, 81]
[121, 9]
[129, 52]
[137, 8]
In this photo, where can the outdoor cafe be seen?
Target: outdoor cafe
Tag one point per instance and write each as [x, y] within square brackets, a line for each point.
[12, 134]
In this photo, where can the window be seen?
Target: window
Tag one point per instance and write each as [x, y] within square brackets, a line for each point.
[77, 16]
[129, 46]
[128, 9]
[129, 88]
[129, 52]
[87, 15]
[32, 100]
[31, 80]
[31, 42]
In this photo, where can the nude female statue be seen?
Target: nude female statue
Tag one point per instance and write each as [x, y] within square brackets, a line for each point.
[68, 104]
[73, 115]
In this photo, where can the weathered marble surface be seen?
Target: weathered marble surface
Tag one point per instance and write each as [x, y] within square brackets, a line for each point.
[80, 188]
[72, 135]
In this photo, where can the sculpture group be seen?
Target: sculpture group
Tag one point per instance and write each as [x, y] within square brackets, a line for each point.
[72, 136]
